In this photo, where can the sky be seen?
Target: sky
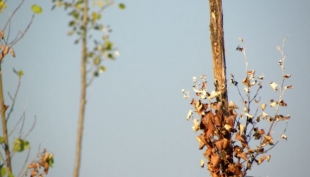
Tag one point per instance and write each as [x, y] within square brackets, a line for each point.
[136, 117]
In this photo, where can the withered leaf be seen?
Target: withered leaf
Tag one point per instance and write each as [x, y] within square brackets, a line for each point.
[202, 163]
[32, 166]
[5, 50]
[195, 127]
[246, 82]
[272, 103]
[261, 77]
[189, 114]
[207, 153]
[282, 103]
[242, 139]
[263, 106]
[12, 53]
[251, 74]
[286, 76]
[232, 105]
[274, 86]
[215, 159]
[284, 136]
[2, 35]
[243, 156]
[268, 140]
[288, 87]
[218, 119]
[219, 144]
[241, 128]
[201, 143]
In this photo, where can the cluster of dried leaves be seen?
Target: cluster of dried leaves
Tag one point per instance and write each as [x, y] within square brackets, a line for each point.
[226, 134]
[41, 166]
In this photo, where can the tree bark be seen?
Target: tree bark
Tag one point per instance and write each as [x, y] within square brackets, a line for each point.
[78, 152]
[3, 108]
[218, 49]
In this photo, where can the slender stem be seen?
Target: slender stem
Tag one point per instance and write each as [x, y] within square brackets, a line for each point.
[78, 151]
[4, 127]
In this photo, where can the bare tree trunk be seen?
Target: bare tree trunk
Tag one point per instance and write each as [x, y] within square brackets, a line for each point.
[3, 108]
[218, 49]
[78, 152]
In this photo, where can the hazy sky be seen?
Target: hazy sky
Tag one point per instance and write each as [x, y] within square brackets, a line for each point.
[136, 117]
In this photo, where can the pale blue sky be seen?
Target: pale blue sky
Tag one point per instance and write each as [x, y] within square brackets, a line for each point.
[135, 118]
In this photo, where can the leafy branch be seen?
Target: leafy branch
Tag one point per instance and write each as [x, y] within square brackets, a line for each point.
[226, 138]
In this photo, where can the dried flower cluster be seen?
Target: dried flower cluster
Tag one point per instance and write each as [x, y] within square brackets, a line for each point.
[226, 134]
[40, 166]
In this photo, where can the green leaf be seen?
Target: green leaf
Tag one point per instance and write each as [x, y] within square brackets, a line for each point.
[97, 61]
[20, 73]
[76, 41]
[111, 56]
[95, 16]
[75, 14]
[70, 33]
[121, 6]
[71, 23]
[20, 145]
[36, 9]
[51, 162]
[108, 45]
[11, 175]
[2, 6]
[102, 69]
[1, 139]
[3, 171]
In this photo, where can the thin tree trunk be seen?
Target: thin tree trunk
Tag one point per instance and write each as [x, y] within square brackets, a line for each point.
[78, 152]
[3, 108]
[218, 49]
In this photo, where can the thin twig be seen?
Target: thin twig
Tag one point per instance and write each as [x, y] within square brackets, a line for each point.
[11, 16]
[22, 33]
[14, 100]
[22, 117]
[25, 164]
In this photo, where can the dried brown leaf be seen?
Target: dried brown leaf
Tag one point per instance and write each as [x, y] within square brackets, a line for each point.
[282, 103]
[242, 139]
[202, 163]
[246, 82]
[225, 143]
[12, 53]
[263, 106]
[268, 140]
[46, 167]
[33, 173]
[243, 156]
[274, 86]
[32, 166]
[5, 50]
[232, 105]
[286, 76]
[288, 87]
[195, 127]
[219, 144]
[2, 35]
[251, 74]
[284, 137]
[215, 159]
[207, 153]
[218, 119]
[201, 141]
